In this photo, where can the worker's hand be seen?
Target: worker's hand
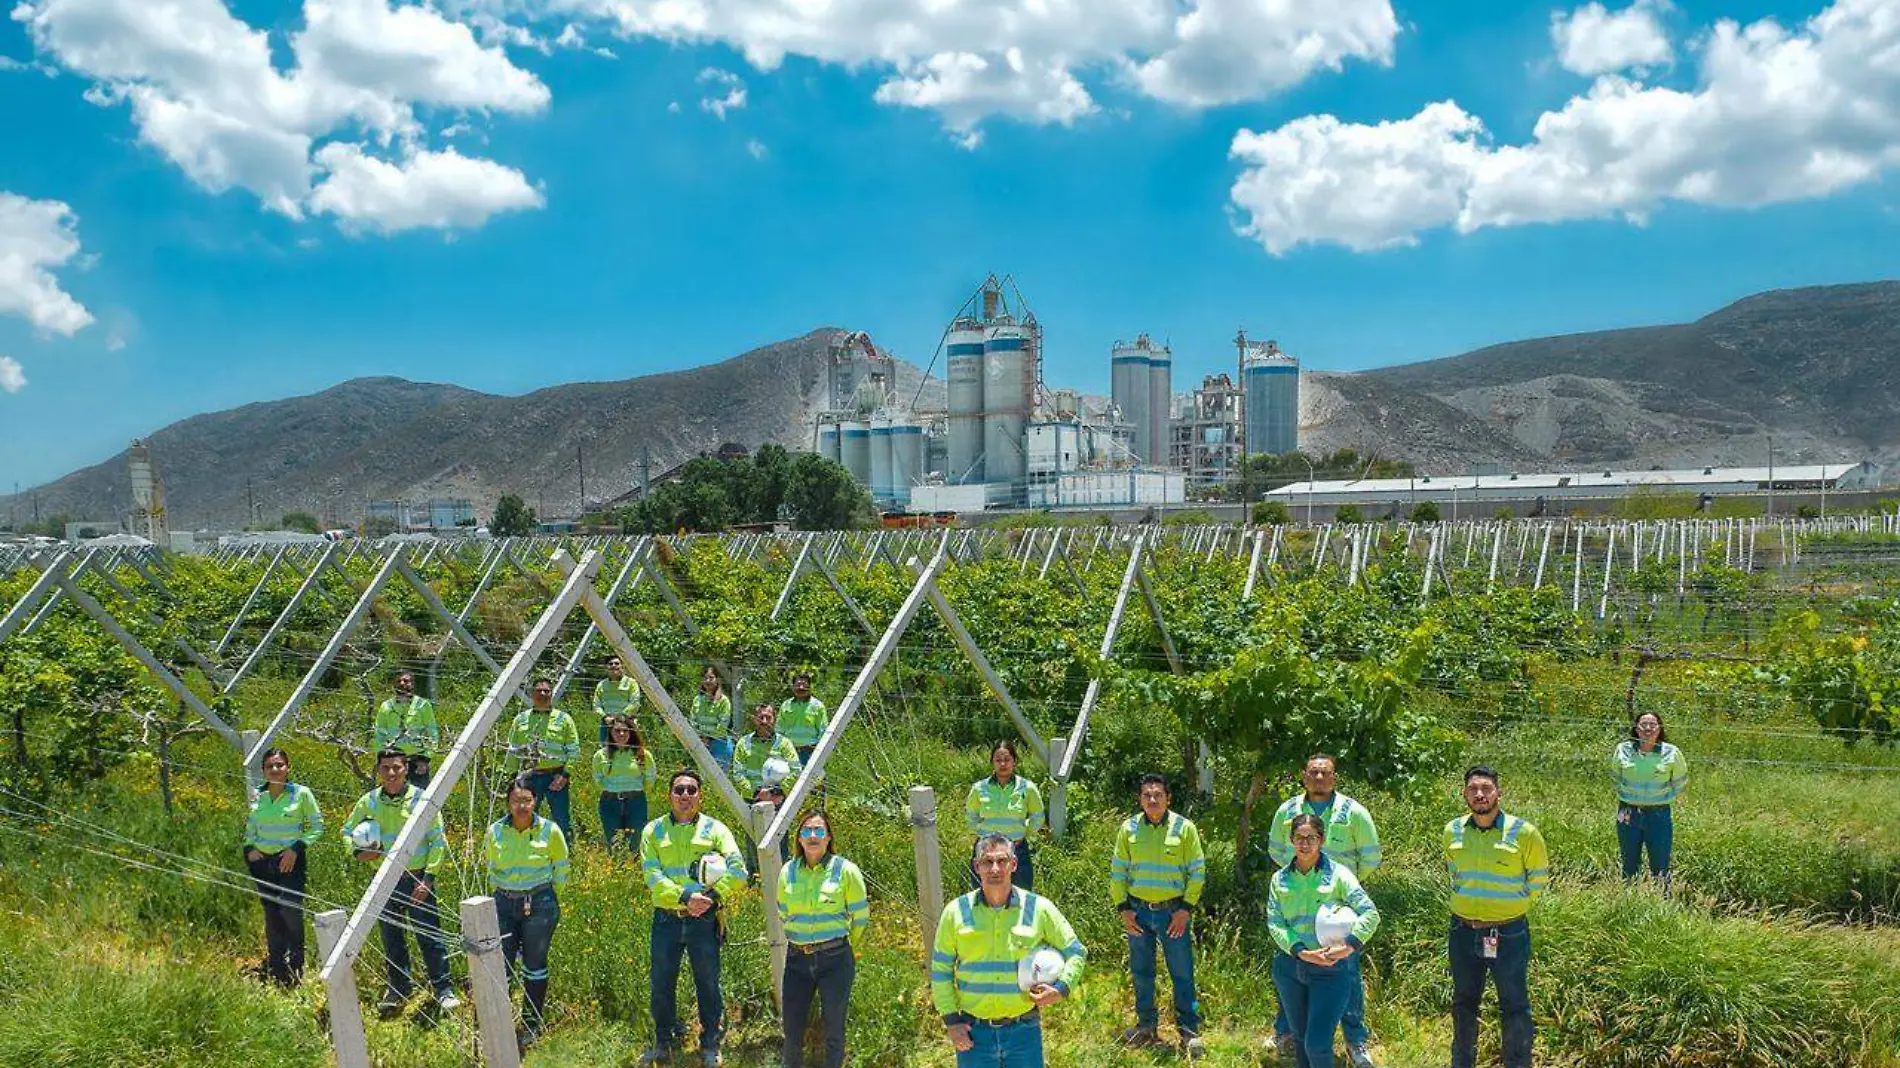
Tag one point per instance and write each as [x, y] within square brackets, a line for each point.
[1339, 952]
[698, 904]
[1178, 923]
[960, 1039]
[1045, 994]
[1317, 957]
[1622, 815]
[371, 855]
[286, 862]
[421, 892]
[253, 855]
[559, 782]
[1130, 924]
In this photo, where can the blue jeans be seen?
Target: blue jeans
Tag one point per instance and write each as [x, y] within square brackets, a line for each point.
[721, 751]
[403, 909]
[1651, 827]
[826, 975]
[1315, 999]
[1025, 877]
[623, 815]
[697, 939]
[524, 944]
[1016, 1045]
[558, 802]
[1511, 971]
[1179, 953]
[1353, 1024]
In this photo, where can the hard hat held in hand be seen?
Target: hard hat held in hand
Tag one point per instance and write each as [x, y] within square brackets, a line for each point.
[367, 835]
[709, 869]
[1040, 968]
[774, 772]
[1333, 923]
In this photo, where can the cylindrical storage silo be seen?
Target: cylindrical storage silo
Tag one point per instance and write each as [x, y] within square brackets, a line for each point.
[855, 438]
[880, 457]
[1272, 384]
[1160, 404]
[1007, 396]
[964, 352]
[1129, 383]
[828, 442]
[907, 458]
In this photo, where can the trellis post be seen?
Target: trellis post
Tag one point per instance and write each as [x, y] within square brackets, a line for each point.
[488, 982]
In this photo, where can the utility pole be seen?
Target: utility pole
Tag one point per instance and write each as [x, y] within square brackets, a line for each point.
[250, 502]
[646, 472]
[1771, 475]
[581, 466]
[1240, 414]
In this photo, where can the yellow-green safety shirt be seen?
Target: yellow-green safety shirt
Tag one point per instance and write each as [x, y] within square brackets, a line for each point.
[822, 903]
[1496, 874]
[623, 772]
[1294, 899]
[613, 698]
[668, 850]
[389, 814]
[973, 961]
[525, 860]
[408, 726]
[1657, 777]
[804, 721]
[712, 719]
[749, 757]
[1157, 861]
[1351, 837]
[1011, 811]
[278, 823]
[545, 741]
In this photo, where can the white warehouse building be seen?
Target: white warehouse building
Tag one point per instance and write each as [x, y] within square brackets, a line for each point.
[1555, 487]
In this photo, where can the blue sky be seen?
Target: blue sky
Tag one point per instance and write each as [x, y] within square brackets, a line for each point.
[509, 194]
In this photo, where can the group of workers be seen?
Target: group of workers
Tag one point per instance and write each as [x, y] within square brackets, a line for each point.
[1001, 953]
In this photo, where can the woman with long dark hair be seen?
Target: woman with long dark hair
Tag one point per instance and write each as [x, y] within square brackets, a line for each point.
[1009, 805]
[283, 821]
[623, 769]
[1650, 775]
[1302, 900]
[527, 864]
[822, 903]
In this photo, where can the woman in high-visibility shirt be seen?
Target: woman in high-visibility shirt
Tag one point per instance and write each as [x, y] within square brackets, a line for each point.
[1009, 805]
[623, 769]
[712, 717]
[822, 903]
[527, 863]
[1312, 988]
[284, 820]
[1650, 774]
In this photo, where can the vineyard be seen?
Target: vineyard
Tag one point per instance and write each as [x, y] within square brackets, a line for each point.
[137, 690]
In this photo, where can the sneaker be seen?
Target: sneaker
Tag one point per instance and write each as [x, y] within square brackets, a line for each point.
[710, 1057]
[1192, 1047]
[1360, 1058]
[657, 1055]
[391, 1006]
[1289, 1049]
[447, 1001]
[1138, 1036]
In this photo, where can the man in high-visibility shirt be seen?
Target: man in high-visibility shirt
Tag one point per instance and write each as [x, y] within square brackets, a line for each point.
[686, 915]
[544, 741]
[1155, 882]
[1352, 841]
[763, 744]
[615, 695]
[412, 905]
[407, 722]
[803, 718]
[1499, 867]
[982, 938]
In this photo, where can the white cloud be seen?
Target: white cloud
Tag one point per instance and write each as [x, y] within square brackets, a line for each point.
[756, 148]
[205, 90]
[440, 190]
[1232, 50]
[965, 87]
[37, 237]
[728, 92]
[673, 107]
[12, 375]
[1776, 115]
[1592, 40]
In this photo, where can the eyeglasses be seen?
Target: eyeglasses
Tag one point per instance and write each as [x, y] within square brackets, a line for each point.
[685, 791]
[994, 862]
[1308, 838]
[813, 832]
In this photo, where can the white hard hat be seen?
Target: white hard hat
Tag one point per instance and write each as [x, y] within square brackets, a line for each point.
[1040, 968]
[1333, 923]
[709, 869]
[774, 771]
[367, 835]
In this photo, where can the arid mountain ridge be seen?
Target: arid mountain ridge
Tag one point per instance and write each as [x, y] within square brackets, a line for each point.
[1816, 369]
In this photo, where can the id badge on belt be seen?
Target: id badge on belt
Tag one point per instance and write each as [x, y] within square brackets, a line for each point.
[1488, 946]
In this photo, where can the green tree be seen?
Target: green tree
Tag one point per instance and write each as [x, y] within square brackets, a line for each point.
[824, 496]
[303, 521]
[1347, 513]
[1425, 512]
[513, 518]
[1272, 513]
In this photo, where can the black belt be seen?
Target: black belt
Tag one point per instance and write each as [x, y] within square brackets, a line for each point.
[521, 895]
[620, 795]
[813, 948]
[1487, 925]
[1170, 905]
[1644, 808]
[1007, 1020]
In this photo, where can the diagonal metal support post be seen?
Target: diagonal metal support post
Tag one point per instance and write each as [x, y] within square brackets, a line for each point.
[48, 580]
[1066, 766]
[628, 579]
[310, 582]
[308, 684]
[238, 621]
[974, 653]
[144, 656]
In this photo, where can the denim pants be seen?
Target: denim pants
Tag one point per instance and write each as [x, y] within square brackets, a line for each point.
[1179, 954]
[282, 895]
[1654, 828]
[1025, 877]
[1353, 1024]
[1015, 1045]
[624, 815]
[828, 974]
[527, 929]
[403, 911]
[1315, 999]
[698, 939]
[558, 800]
[1511, 971]
[721, 751]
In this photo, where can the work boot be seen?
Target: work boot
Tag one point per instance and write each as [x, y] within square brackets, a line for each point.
[709, 1056]
[1192, 1047]
[1138, 1036]
[658, 1054]
[1288, 1047]
[446, 1000]
[1360, 1058]
[391, 1005]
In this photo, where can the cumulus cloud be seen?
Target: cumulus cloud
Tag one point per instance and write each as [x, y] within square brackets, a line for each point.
[1777, 114]
[435, 190]
[728, 91]
[12, 375]
[756, 148]
[1593, 40]
[205, 90]
[36, 238]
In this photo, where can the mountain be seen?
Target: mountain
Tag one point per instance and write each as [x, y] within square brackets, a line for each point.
[386, 438]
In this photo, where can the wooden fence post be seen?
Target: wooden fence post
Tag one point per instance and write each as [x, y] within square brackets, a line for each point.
[347, 1039]
[1058, 790]
[488, 982]
[770, 866]
[923, 827]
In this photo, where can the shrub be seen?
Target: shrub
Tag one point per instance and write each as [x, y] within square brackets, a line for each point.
[1348, 513]
[1272, 513]
[1425, 512]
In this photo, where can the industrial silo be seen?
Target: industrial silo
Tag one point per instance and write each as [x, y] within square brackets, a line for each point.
[1131, 386]
[855, 438]
[828, 441]
[1271, 379]
[907, 457]
[880, 457]
[1160, 403]
[964, 352]
[1008, 393]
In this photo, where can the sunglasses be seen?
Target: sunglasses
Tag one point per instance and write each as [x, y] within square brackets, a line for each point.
[812, 832]
[685, 791]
